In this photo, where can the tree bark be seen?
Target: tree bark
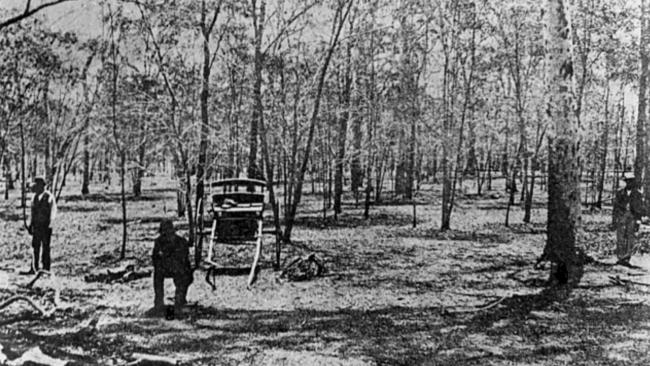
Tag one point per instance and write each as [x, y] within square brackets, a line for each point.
[640, 160]
[258, 24]
[343, 129]
[356, 170]
[564, 160]
[604, 142]
[119, 143]
[641, 167]
[85, 184]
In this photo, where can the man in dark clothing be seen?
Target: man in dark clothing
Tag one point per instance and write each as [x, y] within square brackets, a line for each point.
[170, 260]
[628, 210]
[42, 220]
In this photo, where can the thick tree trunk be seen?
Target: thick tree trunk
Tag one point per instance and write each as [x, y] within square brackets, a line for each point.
[564, 159]
[528, 204]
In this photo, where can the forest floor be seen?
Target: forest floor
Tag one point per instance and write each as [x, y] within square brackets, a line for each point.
[392, 294]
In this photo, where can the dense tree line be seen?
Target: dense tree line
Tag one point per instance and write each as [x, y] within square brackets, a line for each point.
[371, 97]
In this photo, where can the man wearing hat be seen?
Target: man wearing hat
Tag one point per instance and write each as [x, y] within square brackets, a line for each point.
[170, 260]
[42, 221]
[628, 210]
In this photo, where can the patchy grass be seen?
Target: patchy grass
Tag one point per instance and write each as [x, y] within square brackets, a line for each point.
[392, 294]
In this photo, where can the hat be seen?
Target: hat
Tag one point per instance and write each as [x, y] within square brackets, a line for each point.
[40, 180]
[166, 226]
[629, 176]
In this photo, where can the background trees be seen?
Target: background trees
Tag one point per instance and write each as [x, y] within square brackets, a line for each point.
[349, 100]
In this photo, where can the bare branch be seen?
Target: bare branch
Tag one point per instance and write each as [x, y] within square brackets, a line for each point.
[29, 12]
[293, 18]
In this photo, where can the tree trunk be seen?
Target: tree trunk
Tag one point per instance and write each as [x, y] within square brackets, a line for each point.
[356, 170]
[23, 180]
[86, 166]
[603, 146]
[340, 17]
[123, 199]
[201, 167]
[258, 24]
[138, 175]
[371, 118]
[640, 160]
[528, 204]
[119, 143]
[641, 167]
[342, 131]
[564, 162]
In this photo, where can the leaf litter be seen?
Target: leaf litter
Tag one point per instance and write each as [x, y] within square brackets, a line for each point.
[391, 294]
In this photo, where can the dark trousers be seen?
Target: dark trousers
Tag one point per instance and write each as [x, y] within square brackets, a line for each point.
[41, 238]
[181, 282]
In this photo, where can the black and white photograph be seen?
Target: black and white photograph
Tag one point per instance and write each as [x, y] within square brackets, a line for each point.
[324, 182]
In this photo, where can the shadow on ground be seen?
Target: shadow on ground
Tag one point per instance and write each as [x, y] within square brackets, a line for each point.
[387, 336]
[353, 221]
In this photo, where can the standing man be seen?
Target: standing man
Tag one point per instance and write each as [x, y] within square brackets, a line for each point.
[42, 220]
[628, 210]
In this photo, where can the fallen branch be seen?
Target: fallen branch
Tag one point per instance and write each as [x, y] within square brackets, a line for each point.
[36, 356]
[120, 274]
[487, 306]
[36, 277]
[303, 268]
[473, 295]
[145, 359]
[11, 300]
[624, 281]
[3, 357]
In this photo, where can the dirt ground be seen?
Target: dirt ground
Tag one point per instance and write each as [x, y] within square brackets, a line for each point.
[392, 294]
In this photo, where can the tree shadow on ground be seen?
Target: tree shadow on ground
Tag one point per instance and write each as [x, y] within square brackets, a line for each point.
[523, 228]
[483, 236]
[153, 219]
[394, 335]
[116, 197]
[596, 227]
[350, 221]
[11, 216]
[81, 208]
[500, 205]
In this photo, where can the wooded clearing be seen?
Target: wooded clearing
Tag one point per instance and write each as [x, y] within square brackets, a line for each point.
[435, 178]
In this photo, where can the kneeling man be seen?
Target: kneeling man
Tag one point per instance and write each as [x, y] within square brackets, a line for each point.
[170, 260]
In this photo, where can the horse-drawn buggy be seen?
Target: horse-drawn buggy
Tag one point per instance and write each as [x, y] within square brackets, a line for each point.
[237, 218]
